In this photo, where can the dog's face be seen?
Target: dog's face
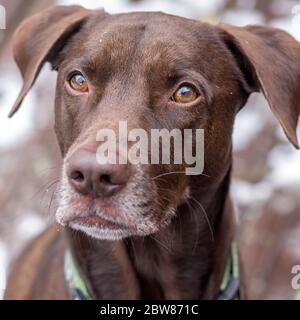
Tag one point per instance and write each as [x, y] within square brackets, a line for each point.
[135, 68]
[152, 71]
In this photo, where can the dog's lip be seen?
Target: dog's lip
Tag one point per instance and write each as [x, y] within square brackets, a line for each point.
[94, 220]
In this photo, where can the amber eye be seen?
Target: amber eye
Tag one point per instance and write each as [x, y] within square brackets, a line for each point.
[78, 82]
[185, 94]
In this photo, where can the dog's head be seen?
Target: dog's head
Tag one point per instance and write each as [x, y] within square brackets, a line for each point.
[149, 71]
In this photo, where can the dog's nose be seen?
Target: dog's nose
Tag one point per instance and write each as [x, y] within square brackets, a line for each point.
[87, 176]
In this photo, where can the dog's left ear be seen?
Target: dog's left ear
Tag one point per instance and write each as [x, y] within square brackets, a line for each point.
[270, 62]
[39, 38]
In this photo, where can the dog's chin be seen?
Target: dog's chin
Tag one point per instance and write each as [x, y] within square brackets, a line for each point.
[102, 229]
[102, 233]
[114, 231]
[103, 225]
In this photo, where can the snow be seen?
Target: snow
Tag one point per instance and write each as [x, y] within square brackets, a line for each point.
[185, 8]
[249, 122]
[285, 164]
[246, 193]
[29, 225]
[17, 129]
[242, 17]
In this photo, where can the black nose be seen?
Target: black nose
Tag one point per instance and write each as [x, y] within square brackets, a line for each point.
[87, 176]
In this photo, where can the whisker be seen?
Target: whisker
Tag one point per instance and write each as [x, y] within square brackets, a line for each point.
[194, 214]
[50, 203]
[46, 170]
[44, 188]
[206, 217]
[176, 172]
[160, 243]
[132, 245]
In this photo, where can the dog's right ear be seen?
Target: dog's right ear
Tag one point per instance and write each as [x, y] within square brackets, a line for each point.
[39, 38]
[269, 59]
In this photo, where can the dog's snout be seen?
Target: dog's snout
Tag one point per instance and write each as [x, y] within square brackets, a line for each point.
[87, 176]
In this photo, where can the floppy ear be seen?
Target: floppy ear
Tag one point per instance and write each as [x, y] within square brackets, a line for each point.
[39, 38]
[270, 61]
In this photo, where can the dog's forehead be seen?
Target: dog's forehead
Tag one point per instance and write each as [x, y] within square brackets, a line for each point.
[156, 24]
[150, 33]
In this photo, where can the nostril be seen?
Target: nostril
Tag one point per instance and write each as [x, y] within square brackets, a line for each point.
[105, 178]
[77, 176]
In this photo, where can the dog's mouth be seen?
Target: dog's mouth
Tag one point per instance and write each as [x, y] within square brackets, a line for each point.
[95, 221]
[133, 212]
[99, 227]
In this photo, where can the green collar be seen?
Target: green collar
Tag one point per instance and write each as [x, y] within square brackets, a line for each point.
[229, 288]
[77, 286]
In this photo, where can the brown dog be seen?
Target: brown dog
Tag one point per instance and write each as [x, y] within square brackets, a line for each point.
[146, 231]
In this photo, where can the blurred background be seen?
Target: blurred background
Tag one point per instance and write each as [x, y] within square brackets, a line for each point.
[266, 177]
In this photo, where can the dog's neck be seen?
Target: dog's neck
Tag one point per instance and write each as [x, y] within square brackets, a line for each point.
[185, 260]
